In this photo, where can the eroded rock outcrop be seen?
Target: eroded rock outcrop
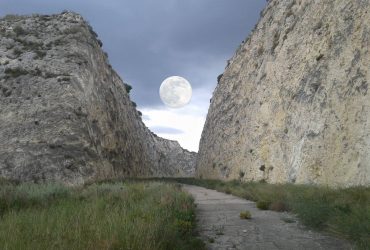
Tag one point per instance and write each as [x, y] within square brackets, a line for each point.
[65, 114]
[294, 103]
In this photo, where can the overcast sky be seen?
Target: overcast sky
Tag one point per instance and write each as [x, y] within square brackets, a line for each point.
[148, 41]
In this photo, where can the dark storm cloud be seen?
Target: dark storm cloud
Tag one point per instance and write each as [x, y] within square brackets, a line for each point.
[148, 40]
[165, 130]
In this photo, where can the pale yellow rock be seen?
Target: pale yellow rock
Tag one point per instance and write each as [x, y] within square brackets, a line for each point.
[293, 104]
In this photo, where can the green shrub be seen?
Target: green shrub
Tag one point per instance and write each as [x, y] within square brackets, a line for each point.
[227, 190]
[29, 45]
[100, 43]
[241, 174]
[278, 206]
[15, 72]
[127, 87]
[17, 52]
[219, 78]
[263, 205]
[18, 30]
[245, 215]
[91, 30]
[73, 30]
[354, 223]
[312, 208]
[11, 17]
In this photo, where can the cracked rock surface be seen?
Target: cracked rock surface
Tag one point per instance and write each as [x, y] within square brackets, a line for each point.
[293, 104]
[65, 114]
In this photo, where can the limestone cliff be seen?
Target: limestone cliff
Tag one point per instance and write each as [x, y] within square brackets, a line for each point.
[65, 114]
[293, 104]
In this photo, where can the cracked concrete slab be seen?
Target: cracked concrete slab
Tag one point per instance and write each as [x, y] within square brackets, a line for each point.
[220, 226]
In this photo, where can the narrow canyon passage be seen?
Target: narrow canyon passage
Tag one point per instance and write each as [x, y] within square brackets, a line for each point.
[220, 226]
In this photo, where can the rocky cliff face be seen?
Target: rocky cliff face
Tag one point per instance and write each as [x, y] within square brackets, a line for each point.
[65, 114]
[294, 103]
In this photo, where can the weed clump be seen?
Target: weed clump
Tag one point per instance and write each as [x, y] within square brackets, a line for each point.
[118, 215]
[19, 31]
[246, 215]
[17, 52]
[263, 205]
[128, 87]
[241, 174]
[278, 206]
[15, 72]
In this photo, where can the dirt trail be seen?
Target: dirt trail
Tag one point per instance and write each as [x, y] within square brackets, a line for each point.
[221, 228]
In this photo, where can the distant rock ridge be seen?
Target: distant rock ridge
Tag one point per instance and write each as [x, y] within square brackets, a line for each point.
[293, 105]
[65, 115]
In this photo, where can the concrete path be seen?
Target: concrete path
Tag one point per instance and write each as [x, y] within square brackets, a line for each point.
[220, 226]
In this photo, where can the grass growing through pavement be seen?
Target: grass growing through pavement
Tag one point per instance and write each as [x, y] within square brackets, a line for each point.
[245, 215]
[144, 215]
[345, 212]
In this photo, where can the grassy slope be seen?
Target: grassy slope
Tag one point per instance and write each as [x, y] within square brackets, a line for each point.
[146, 215]
[345, 212]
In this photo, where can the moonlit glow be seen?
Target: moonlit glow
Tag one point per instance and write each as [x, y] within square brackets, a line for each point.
[175, 92]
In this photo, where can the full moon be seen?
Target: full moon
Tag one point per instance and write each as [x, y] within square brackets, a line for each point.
[175, 92]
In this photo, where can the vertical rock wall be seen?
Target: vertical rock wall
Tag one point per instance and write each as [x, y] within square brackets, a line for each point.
[293, 105]
[65, 114]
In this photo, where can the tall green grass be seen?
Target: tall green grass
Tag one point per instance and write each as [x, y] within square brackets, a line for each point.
[345, 212]
[145, 215]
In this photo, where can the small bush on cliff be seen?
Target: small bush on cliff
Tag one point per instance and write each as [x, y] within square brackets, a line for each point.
[92, 30]
[127, 87]
[73, 30]
[11, 17]
[18, 30]
[241, 174]
[15, 72]
[219, 78]
[17, 52]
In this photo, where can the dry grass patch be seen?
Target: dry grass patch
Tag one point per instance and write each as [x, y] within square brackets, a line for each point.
[246, 215]
[147, 215]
